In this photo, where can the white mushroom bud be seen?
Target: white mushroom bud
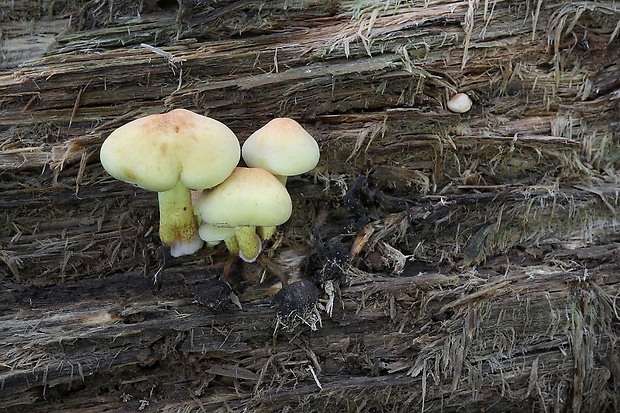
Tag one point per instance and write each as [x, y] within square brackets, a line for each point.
[460, 103]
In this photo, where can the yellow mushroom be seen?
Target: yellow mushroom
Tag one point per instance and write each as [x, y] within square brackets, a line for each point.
[248, 198]
[171, 154]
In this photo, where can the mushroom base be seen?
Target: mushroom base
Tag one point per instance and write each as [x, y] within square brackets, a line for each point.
[250, 245]
[179, 248]
[177, 224]
[265, 233]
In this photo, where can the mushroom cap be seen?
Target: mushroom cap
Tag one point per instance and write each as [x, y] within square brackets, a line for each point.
[157, 151]
[282, 147]
[460, 103]
[211, 233]
[248, 197]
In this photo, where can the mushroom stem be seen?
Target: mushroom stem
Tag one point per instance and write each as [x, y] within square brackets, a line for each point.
[266, 233]
[232, 245]
[249, 242]
[177, 225]
[281, 178]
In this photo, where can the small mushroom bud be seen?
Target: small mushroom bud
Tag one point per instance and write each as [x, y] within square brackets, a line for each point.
[459, 103]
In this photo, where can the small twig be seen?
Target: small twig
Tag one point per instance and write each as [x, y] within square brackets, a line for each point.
[77, 102]
[481, 293]
[316, 379]
[166, 55]
[274, 269]
[599, 193]
[171, 61]
[275, 61]
[157, 277]
[228, 265]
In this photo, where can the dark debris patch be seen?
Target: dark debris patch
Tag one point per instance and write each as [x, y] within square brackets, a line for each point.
[328, 262]
[295, 304]
[216, 295]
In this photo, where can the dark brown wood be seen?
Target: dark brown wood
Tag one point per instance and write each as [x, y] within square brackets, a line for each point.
[471, 259]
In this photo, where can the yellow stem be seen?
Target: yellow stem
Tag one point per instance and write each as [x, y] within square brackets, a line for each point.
[177, 225]
[249, 242]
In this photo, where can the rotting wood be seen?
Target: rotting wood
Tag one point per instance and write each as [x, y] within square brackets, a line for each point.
[484, 269]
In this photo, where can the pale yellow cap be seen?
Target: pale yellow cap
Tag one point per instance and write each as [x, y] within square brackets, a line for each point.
[282, 147]
[157, 151]
[248, 197]
[213, 234]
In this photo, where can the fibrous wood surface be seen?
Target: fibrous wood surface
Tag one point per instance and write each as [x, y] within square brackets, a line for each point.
[471, 260]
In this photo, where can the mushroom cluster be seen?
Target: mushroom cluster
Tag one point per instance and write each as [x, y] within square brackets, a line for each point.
[180, 152]
[245, 209]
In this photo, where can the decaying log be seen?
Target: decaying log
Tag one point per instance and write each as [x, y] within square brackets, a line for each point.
[463, 262]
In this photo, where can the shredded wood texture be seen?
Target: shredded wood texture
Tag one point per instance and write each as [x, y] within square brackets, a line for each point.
[465, 262]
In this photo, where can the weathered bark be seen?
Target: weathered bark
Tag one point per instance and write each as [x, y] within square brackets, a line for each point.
[482, 248]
